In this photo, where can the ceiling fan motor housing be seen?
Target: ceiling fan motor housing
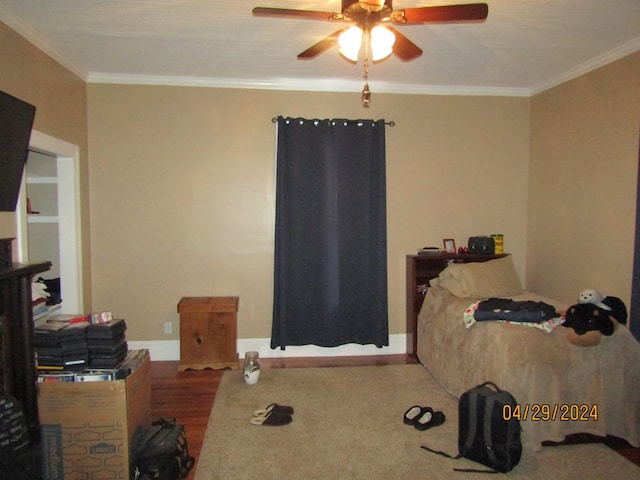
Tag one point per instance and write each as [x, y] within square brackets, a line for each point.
[366, 12]
[370, 5]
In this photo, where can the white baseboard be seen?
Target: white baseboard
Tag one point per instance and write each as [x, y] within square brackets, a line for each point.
[169, 350]
[158, 349]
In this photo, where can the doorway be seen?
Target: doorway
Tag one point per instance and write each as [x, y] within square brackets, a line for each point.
[55, 232]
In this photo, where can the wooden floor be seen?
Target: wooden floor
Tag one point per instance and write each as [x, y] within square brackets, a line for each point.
[189, 396]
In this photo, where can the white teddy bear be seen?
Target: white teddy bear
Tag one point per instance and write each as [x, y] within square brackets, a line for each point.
[589, 295]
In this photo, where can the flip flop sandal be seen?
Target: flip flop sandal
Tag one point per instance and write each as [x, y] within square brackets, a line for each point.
[414, 413]
[429, 419]
[274, 407]
[273, 419]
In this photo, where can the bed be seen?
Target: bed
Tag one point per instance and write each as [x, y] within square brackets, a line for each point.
[562, 388]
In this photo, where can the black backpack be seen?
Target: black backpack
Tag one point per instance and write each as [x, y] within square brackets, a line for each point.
[164, 453]
[488, 431]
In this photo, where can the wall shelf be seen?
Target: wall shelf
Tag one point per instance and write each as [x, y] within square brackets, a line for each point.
[42, 219]
[42, 180]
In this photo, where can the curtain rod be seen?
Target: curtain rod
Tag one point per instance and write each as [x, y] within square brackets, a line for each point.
[390, 123]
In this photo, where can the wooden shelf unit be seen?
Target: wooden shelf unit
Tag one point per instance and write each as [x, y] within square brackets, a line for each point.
[18, 375]
[421, 269]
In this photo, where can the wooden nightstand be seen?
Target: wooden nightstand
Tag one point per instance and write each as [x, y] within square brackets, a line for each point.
[208, 331]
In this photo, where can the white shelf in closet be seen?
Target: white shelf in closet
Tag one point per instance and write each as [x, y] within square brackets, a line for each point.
[48, 180]
[34, 218]
[42, 180]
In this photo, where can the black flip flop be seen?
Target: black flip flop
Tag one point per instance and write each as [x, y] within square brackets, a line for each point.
[429, 419]
[272, 419]
[280, 409]
[412, 415]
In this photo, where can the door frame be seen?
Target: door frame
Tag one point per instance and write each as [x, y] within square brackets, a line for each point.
[69, 218]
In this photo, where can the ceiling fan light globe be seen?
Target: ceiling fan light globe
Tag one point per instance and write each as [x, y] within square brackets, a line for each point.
[378, 55]
[350, 42]
[382, 40]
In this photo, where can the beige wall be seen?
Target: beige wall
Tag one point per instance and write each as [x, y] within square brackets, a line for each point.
[182, 190]
[181, 184]
[60, 98]
[583, 183]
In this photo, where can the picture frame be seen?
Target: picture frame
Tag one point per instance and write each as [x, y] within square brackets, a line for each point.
[449, 245]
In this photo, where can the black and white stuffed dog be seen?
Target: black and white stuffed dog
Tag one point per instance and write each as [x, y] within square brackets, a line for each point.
[594, 315]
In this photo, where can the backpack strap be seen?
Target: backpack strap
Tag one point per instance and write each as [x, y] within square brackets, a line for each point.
[444, 454]
[471, 434]
[488, 441]
[474, 470]
[185, 460]
[457, 457]
[495, 387]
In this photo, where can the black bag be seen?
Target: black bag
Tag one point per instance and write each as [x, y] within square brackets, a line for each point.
[482, 244]
[163, 453]
[488, 432]
[15, 460]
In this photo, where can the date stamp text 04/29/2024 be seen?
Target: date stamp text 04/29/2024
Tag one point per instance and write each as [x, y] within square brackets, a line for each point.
[543, 412]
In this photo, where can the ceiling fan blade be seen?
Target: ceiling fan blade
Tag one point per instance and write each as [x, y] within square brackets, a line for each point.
[403, 48]
[441, 14]
[289, 12]
[325, 44]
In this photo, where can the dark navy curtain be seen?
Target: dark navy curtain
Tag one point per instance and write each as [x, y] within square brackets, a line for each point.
[330, 277]
[634, 321]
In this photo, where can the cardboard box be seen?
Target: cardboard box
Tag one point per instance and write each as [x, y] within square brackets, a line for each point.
[89, 430]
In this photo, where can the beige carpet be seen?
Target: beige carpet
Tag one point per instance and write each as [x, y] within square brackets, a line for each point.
[348, 425]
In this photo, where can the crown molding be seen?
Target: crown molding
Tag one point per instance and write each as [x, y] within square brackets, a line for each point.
[308, 85]
[36, 39]
[586, 67]
[313, 85]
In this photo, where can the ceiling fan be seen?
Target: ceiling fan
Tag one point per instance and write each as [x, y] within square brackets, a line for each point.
[370, 21]
[368, 14]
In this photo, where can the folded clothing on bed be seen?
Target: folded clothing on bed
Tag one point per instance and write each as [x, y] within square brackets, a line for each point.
[515, 311]
[548, 325]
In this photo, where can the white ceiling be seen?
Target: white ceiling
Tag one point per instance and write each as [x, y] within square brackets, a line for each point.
[524, 47]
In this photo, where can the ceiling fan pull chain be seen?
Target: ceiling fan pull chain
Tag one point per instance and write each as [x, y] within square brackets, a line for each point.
[366, 93]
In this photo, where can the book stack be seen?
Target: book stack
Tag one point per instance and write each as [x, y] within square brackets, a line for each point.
[61, 345]
[40, 297]
[39, 306]
[431, 251]
[133, 359]
[107, 343]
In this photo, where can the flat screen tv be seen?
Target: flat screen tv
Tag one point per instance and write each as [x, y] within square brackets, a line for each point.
[16, 121]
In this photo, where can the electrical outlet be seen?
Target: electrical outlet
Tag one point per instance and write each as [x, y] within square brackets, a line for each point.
[168, 328]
